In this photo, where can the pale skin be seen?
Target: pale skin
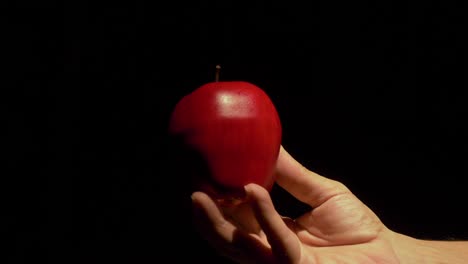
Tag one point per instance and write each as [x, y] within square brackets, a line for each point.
[339, 228]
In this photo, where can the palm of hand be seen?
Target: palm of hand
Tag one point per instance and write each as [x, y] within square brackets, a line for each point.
[340, 230]
[344, 230]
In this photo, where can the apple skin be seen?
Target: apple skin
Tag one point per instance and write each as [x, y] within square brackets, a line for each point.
[235, 129]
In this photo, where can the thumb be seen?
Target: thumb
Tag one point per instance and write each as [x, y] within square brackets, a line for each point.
[307, 186]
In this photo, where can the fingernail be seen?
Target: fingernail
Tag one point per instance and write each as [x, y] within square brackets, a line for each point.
[247, 190]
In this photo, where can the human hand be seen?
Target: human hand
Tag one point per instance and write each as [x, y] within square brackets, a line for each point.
[339, 228]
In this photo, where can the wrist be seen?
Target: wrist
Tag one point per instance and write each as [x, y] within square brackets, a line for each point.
[409, 249]
[412, 250]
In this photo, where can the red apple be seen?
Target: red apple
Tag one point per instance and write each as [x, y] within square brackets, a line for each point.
[235, 129]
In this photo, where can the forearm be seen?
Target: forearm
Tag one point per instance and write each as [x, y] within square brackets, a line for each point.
[411, 250]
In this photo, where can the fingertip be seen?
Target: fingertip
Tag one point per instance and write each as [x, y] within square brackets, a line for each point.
[196, 196]
[254, 188]
[200, 199]
[248, 188]
[256, 192]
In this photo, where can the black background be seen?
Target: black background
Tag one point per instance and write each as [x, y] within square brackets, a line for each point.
[369, 93]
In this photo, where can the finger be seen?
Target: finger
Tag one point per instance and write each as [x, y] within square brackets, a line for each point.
[307, 186]
[284, 243]
[243, 217]
[223, 235]
[210, 219]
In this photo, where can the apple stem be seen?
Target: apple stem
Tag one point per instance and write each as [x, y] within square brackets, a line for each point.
[218, 69]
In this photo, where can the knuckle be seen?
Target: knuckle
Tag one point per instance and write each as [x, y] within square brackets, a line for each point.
[339, 187]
